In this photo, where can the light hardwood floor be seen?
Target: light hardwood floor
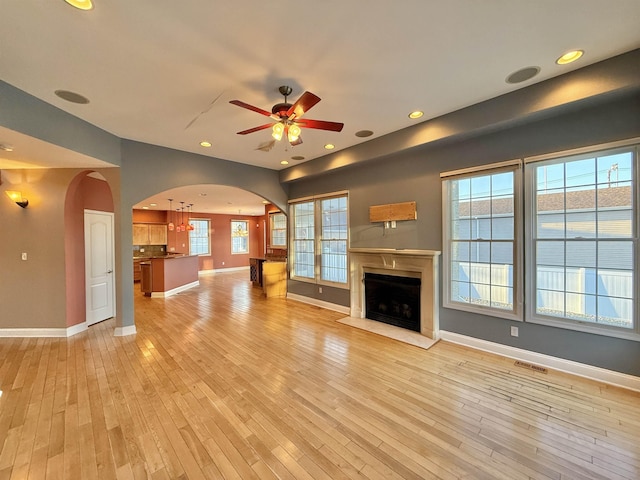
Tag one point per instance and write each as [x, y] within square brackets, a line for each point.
[220, 382]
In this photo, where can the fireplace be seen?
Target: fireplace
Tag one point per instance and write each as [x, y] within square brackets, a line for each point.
[387, 266]
[393, 299]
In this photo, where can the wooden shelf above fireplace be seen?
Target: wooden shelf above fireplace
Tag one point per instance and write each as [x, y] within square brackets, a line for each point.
[393, 212]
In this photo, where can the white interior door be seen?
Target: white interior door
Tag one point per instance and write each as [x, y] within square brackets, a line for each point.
[99, 264]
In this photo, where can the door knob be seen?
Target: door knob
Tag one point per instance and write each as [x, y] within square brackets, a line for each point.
[109, 271]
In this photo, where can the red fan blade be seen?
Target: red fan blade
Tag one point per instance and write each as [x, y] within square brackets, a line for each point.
[251, 107]
[256, 129]
[303, 104]
[320, 125]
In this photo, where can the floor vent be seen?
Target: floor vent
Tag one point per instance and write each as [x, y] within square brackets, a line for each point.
[530, 366]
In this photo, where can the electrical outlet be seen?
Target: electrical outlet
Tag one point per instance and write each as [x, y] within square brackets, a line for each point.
[319, 289]
[514, 331]
[24, 255]
[222, 263]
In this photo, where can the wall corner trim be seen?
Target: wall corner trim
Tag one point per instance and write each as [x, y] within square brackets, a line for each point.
[124, 331]
[590, 372]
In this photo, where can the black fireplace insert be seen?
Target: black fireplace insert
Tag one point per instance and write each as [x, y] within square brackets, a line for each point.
[393, 300]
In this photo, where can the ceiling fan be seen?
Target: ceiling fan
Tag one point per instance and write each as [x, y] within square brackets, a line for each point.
[288, 117]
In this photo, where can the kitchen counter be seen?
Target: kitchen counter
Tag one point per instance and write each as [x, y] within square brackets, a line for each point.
[166, 275]
[166, 256]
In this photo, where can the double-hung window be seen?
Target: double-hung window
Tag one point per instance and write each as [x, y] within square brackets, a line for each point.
[199, 236]
[559, 247]
[481, 245]
[278, 229]
[302, 240]
[319, 239]
[583, 240]
[239, 236]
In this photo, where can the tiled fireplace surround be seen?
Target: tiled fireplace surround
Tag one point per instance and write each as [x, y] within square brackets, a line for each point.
[421, 264]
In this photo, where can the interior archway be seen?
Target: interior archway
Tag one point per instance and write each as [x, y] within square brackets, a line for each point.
[87, 190]
[220, 206]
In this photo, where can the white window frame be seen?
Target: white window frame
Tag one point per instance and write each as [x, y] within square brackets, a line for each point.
[317, 240]
[208, 236]
[244, 252]
[530, 230]
[514, 166]
[272, 218]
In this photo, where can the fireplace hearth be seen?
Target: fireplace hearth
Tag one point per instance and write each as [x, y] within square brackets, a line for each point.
[393, 299]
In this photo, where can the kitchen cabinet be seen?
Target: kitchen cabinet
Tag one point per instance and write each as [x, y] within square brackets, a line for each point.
[157, 234]
[146, 278]
[136, 269]
[149, 234]
[140, 234]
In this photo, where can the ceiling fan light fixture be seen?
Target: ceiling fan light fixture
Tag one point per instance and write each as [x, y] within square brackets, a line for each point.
[278, 130]
[293, 133]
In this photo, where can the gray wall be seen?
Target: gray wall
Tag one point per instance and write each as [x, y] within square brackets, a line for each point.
[28, 115]
[414, 175]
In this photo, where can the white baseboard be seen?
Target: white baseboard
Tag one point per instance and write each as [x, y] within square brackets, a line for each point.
[222, 270]
[44, 332]
[124, 331]
[580, 369]
[319, 303]
[173, 291]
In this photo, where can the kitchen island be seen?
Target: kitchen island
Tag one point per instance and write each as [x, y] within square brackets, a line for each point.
[166, 275]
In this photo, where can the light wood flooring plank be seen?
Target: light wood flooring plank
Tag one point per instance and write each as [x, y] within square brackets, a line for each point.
[221, 382]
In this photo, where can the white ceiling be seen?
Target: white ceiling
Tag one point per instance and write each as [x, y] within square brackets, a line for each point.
[163, 72]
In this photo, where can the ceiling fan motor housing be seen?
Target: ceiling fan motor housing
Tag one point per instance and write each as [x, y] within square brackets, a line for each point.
[281, 109]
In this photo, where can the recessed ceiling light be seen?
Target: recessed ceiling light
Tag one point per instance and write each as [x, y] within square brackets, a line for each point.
[81, 4]
[153, 204]
[523, 75]
[329, 146]
[145, 208]
[72, 97]
[569, 57]
[416, 114]
[364, 133]
[297, 157]
[6, 147]
[266, 202]
[284, 162]
[205, 144]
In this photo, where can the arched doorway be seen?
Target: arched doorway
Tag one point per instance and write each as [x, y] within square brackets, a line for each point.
[88, 190]
[231, 228]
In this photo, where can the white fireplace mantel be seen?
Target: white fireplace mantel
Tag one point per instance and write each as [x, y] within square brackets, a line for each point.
[388, 261]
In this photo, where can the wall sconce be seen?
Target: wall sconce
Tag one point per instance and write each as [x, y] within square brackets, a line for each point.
[18, 198]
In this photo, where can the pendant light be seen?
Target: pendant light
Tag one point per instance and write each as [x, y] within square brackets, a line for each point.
[171, 226]
[182, 225]
[190, 226]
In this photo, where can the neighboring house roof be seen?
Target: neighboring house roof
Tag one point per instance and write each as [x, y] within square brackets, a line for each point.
[607, 197]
